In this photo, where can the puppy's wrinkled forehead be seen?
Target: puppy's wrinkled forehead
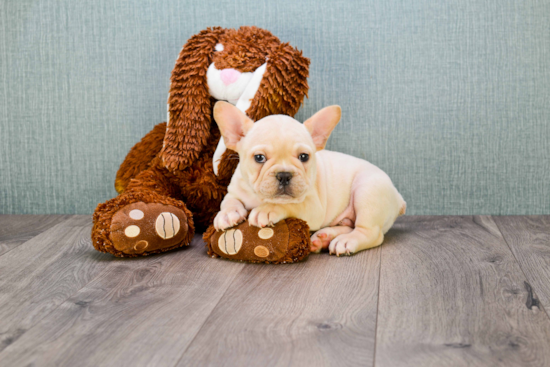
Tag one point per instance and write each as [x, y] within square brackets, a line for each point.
[280, 131]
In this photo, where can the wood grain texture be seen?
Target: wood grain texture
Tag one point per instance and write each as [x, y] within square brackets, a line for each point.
[40, 274]
[138, 312]
[448, 291]
[452, 294]
[529, 240]
[321, 312]
[17, 229]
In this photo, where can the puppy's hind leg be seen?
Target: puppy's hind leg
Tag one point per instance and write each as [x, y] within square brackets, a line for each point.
[321, 239]
[358, 239]
[377, 204]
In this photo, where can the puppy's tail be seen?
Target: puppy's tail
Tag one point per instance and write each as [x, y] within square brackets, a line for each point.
[403, 207]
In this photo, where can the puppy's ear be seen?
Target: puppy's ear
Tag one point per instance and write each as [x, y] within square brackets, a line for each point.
[322, 123]
[232, 122]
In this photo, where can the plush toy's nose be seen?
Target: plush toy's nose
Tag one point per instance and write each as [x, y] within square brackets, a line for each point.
[229, 76]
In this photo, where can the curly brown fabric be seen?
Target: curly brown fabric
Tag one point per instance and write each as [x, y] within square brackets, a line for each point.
[140, 156]
[172, 164]
[275, 95]
[104, 213]
[190, 103]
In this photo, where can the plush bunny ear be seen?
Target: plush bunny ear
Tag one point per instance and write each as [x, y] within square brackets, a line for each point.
[284, 84]
[189, 103]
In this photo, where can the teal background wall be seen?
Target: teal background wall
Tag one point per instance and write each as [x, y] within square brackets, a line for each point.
[450, 98]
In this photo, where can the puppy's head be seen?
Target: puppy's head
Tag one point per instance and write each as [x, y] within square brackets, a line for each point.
[277, 153]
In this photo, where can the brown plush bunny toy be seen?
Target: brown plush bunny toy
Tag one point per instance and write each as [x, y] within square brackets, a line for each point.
[173, 180]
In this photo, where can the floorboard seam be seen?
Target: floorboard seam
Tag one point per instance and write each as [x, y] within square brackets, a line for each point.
[30, 239]
[53, 309]
[207, 317]
[540, 305]
[377, 306]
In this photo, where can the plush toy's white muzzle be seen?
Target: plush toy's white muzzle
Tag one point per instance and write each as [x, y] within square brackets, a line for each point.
[236, 88]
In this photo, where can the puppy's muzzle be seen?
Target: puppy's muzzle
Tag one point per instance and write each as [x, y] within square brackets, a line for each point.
[284, 178]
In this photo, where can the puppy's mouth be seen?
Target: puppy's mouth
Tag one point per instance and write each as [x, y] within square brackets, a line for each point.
[284, 195]
[284, 191]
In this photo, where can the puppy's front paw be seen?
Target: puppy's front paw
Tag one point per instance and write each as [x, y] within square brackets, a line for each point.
[229, 217]
[266, 215]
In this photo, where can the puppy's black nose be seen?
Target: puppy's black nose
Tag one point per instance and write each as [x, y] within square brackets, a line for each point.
[284, 178]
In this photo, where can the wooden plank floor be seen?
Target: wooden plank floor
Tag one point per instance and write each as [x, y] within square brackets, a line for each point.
[440, 291]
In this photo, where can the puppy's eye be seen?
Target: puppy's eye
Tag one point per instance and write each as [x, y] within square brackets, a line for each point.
[303, 157]
[260, 158]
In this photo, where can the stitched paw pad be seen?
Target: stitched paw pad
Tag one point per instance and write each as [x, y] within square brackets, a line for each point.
[141, 227]
[246, 242]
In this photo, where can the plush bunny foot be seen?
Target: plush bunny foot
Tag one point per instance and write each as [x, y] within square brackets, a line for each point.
[140, 228]
[285, 242]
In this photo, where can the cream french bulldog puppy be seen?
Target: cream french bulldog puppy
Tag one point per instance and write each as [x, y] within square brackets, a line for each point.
[284, 172]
